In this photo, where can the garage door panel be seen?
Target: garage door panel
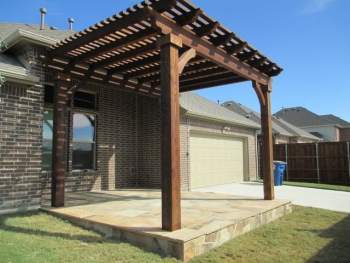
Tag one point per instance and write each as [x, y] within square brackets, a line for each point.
[215, 160]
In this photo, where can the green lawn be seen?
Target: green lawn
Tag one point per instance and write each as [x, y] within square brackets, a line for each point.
[306, 235]
[320, 186]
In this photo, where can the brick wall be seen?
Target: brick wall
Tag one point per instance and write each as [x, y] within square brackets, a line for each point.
[345, 134]
[21, 112]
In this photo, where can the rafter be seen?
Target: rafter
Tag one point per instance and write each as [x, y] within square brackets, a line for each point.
[189, 18]
[207, 29]
[140, 51]
[136, 64]
[233, 50]
[207, 50]
[113, 46]
[222, 40]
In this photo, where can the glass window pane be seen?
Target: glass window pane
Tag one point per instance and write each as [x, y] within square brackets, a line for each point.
[83, 128]
[83, 156]
[47, 140]
[83, 141]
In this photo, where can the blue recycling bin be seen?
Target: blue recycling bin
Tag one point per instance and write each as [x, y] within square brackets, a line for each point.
[279, 170]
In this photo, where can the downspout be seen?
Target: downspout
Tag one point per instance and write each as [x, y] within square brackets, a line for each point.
[188, 123]
[137, 175]
[257, 153]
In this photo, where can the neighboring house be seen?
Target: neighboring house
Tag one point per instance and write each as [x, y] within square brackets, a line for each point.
[326, 127]
[283, 131]
[114, 134]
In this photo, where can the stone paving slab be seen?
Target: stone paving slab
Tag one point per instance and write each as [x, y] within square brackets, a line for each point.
[208, 219]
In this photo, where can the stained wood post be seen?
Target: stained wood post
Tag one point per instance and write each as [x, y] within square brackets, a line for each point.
[59, 164]
[348, 152]
[264, 96]
[317, 163]
[286, 157]
[170, 136]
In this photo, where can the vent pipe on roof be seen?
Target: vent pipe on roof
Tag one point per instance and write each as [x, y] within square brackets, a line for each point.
[70, 23]
[43, 12]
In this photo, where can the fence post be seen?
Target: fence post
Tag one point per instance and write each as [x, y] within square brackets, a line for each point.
[348, 151]
[286, 154]
[317, 164]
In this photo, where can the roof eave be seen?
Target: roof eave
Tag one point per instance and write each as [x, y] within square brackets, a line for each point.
[18, 76]
[210, 118]
[21, 35]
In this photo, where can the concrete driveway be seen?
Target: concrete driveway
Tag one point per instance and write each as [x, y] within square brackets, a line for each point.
[326, 199]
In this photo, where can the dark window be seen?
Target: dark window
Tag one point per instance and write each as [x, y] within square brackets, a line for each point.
[84, 100]
[47, 140]
[83, 141]
[48, 95]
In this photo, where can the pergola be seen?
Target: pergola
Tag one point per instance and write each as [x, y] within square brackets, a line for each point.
[158, 48]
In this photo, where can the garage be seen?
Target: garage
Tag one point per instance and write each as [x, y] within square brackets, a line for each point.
[216, 159]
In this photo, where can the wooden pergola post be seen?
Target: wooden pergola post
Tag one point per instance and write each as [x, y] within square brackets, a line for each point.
[263, 92]
[170, 133]
[59, 163]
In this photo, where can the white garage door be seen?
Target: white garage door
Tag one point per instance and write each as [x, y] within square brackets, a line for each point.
[215, 160]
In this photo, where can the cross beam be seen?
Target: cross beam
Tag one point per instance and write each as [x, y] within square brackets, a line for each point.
[208, 50]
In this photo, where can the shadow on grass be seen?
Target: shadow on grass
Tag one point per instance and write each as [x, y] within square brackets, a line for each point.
[88, 238]
[338, 250]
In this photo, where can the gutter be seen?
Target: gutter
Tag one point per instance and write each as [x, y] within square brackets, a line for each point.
[204, 117]
[19, 76]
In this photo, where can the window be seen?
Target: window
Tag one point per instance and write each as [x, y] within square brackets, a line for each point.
[83, 141]
[47, 140]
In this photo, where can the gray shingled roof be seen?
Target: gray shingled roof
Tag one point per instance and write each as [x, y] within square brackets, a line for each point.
[254, 116]
[295, 130]
[302, 117]
[335, 119]
[199, 106]
[279, 126]
[10, 34]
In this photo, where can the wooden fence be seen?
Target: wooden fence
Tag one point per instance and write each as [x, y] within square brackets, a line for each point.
[326, 162]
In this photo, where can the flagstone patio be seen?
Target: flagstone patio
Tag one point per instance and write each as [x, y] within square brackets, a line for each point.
[208, 219]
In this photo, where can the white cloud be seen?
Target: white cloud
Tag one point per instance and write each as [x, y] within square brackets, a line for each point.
[81, 121]
[316, 6]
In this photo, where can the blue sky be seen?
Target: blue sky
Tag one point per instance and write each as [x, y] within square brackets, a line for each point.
[310, 39]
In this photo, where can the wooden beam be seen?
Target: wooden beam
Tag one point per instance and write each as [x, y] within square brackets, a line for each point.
[222, 40]
[203, 70]
[59, 163]
[126, 55]
[189, 18]
[196, 85]
[267, 138]
[207, 29]
[113, 46]
[170, 136]
[185, 58]
[233, 50]
[207, 50]
[136, 64]
[93, 34]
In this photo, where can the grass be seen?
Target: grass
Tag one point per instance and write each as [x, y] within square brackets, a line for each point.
[306, 235]
[320, 186]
